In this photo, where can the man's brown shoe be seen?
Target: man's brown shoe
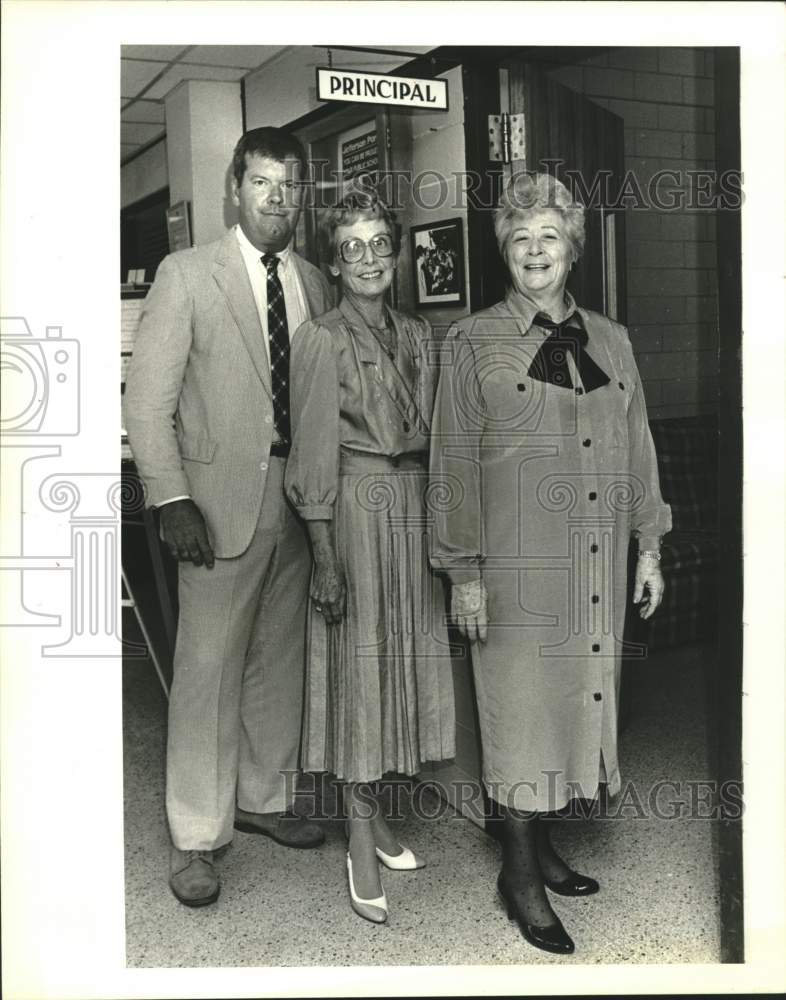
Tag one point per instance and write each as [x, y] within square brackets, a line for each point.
[285, 828]
[192, 877]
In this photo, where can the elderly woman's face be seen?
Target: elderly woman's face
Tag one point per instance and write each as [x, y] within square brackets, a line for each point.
[539, 253]
[371, 274]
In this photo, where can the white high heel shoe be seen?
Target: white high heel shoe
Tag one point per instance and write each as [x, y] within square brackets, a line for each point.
[404, 862]
[375, 910]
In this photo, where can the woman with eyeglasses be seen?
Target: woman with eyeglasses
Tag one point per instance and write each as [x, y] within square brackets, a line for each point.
[379, 687]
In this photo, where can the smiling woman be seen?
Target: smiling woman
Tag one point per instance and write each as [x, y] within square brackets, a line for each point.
[543, 402]
[365, 264]
[540, 231]
[379, 687]
[540, 255]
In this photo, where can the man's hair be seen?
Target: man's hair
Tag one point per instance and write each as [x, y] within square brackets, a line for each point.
[274, 143]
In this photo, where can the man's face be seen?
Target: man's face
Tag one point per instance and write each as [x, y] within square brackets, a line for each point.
[269, 199]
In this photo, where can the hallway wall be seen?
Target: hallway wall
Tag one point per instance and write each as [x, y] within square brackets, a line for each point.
[665, 97]
[144, 175]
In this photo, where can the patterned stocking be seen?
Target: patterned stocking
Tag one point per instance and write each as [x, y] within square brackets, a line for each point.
[551, 864]
[521, 869]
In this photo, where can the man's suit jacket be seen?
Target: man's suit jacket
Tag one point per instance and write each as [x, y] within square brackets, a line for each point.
[198, 406]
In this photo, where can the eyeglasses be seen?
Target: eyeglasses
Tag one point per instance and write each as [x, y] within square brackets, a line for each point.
[351, 251]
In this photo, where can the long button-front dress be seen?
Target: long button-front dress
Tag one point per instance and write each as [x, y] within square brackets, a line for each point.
[543, 478]
[379, 686]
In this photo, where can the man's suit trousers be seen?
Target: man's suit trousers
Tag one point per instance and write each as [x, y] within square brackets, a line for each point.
[235, 707]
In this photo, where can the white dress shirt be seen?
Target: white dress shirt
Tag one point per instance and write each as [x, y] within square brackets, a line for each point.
[294, 297]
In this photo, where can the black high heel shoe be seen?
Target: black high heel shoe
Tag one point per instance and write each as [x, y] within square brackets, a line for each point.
[573, 885]
[553, 938]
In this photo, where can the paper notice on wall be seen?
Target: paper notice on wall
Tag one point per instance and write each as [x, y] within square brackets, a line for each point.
[358, 151]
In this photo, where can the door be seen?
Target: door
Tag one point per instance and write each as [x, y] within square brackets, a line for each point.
[576, 140]
[582, 144]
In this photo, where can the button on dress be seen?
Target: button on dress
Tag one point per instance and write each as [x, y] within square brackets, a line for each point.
[547, 482]
[379, 685]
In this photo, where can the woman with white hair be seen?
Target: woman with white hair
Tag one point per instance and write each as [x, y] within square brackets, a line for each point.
[540, 434]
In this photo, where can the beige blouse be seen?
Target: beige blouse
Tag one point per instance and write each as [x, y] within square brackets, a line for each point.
[347, 393]
[497, 428]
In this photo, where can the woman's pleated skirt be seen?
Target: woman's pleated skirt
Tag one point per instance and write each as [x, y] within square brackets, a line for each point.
[379, 685]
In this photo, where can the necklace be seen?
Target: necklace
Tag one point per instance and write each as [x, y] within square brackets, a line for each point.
[386, 338]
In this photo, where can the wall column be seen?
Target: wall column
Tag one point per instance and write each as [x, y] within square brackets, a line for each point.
[203, 122]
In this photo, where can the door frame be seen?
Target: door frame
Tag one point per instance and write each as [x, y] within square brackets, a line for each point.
[728, 691]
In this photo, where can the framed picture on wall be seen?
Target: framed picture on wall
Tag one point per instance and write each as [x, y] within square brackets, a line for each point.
[438, 263]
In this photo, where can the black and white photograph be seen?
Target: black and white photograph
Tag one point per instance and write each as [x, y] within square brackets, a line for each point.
[426, 595]
[438, 257]
[383, 567]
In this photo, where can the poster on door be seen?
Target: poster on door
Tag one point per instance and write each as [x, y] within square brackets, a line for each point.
[357, 152]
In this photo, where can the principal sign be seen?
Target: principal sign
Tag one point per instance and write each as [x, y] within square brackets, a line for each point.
[380, 88]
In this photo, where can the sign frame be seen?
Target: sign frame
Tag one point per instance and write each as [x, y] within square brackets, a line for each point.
[353, 99]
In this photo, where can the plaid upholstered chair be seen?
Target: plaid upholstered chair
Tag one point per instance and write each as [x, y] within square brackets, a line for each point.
[687, 450]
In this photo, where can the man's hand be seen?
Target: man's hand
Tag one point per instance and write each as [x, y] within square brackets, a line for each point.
[648, 575]
[468, 605]
[184, 531]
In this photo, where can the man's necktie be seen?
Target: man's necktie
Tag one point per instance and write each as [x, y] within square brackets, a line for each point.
[550, 363]
[278, 336]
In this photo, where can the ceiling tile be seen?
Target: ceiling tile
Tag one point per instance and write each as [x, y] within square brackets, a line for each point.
[180, 72]
[165, 52]
[134, 132]
[245, 56]
[143, 111]
[136, 75]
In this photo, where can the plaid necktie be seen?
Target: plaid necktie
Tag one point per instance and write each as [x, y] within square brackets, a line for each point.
[278, 335]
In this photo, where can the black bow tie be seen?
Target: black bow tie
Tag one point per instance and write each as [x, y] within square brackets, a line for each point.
[550, 363]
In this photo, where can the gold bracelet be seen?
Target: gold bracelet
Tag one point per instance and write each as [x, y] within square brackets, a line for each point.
[651, 553]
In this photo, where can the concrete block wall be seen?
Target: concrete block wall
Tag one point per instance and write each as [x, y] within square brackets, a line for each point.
[665, 97]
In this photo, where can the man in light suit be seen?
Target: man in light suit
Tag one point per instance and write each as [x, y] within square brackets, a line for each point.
[206, 410]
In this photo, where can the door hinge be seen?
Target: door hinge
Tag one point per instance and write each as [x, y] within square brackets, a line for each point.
[506, 137]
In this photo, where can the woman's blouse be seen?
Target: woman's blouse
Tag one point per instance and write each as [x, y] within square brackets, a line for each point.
[348, 394]
[493, 409]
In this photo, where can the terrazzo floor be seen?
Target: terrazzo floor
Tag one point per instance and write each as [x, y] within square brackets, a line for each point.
[280, 907]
